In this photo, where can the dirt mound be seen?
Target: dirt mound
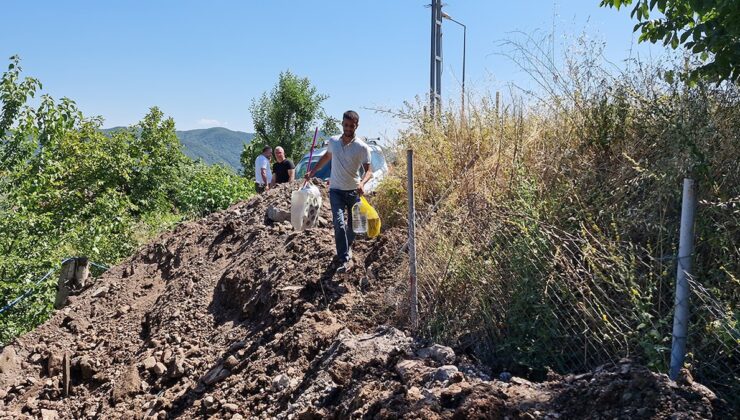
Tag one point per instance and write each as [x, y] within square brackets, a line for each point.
[234, 316]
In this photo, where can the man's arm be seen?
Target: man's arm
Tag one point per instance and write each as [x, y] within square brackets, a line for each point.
[368, 175]
[291, 175]
[320, 164]
[263, 174]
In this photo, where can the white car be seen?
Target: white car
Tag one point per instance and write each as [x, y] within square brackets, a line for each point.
[378, 165]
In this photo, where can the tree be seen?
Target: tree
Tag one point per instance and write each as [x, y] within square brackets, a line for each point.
[709, 28]
[285, 117]
[66, 188]
[15, 146]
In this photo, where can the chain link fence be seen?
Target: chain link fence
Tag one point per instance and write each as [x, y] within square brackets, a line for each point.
[525, 296]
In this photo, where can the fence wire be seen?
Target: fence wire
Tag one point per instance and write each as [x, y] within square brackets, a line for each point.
[33, 302]
[525, 295]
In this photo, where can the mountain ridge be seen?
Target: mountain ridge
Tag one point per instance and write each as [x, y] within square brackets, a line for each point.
[212, 145]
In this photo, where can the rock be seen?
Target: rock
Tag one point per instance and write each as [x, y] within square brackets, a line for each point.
[703, 391]
[411, 370]
[75, 323]
[520, 381]
[277, 215]
[128, 384]
[214, 375]
[237, 345]
[280, 382]
[159, 369]
[208, 402]
[341, 372]
[9, 364]
[237, 417]
[624, 369]
[414, 394]
[122, 310]
[149, 363]
[232, 408]
[87, 367]
[49, 414]
[438, 353]
[100, 292]
[231, 362]
[445, 372]
[176, 367]
[506, 377]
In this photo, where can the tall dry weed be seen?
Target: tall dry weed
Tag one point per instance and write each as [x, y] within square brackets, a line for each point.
[548, 224]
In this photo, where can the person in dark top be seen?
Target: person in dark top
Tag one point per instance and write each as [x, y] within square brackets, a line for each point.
[283, 170]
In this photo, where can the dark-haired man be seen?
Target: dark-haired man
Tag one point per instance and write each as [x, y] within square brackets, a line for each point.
[347, 154]
[262, 172]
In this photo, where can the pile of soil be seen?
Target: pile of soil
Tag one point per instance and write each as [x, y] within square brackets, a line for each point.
[235, 316]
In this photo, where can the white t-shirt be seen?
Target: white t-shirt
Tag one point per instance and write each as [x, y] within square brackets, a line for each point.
[346, 161]
[262, 162]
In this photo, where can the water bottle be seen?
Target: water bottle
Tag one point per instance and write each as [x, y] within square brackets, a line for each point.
[359, 220]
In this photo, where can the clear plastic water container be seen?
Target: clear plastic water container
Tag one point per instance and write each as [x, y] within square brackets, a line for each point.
[359, 219]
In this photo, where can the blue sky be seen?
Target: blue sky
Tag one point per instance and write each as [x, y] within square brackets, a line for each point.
[204, 62]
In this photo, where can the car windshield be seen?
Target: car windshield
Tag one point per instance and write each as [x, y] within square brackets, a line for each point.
[377, 162]
[324, 173]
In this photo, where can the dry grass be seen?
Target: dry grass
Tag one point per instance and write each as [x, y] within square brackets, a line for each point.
[547, 231]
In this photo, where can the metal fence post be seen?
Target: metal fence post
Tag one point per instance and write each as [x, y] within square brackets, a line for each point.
[413, 293]
[72, 278]
[683, 272]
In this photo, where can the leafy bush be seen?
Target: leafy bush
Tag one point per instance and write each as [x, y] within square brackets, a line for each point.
[66, 189]
[210, 188]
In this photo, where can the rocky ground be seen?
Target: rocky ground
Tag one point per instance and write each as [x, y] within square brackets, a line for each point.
[236, 317]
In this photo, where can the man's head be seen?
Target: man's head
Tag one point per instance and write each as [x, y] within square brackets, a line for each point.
[267, 151]
[350, 122]
[279, 154]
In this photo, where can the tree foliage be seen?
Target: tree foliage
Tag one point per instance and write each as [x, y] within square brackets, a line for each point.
[67, 189]
[284, 117]
[709, 28]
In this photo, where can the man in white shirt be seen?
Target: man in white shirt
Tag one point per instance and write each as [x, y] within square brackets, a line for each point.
[262, 171]
[347, 154]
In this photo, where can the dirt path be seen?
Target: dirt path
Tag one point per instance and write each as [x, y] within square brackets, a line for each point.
[233, 317]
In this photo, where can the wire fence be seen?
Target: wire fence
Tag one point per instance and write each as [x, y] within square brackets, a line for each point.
[33, 301]
[526, 296]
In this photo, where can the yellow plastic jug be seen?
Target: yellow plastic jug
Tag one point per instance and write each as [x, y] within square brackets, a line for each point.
[373, 219]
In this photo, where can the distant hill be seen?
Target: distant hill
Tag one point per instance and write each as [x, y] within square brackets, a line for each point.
[212, 145]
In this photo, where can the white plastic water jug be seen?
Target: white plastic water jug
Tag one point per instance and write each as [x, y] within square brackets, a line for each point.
[359, 220]
[304, 207]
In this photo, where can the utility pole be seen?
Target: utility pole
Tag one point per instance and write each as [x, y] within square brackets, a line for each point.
[435, 68]
[465, 38]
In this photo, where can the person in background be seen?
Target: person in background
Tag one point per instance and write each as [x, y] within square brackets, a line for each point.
[283, 170]
[262, 172]
[347, 154]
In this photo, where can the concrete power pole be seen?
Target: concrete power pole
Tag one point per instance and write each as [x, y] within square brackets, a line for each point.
[435, 68]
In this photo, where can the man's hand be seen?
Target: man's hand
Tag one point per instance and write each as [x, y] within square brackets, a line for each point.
[361, 188]
[309, 175]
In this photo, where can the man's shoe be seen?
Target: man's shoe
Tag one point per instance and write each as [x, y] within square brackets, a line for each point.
[345, 267]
